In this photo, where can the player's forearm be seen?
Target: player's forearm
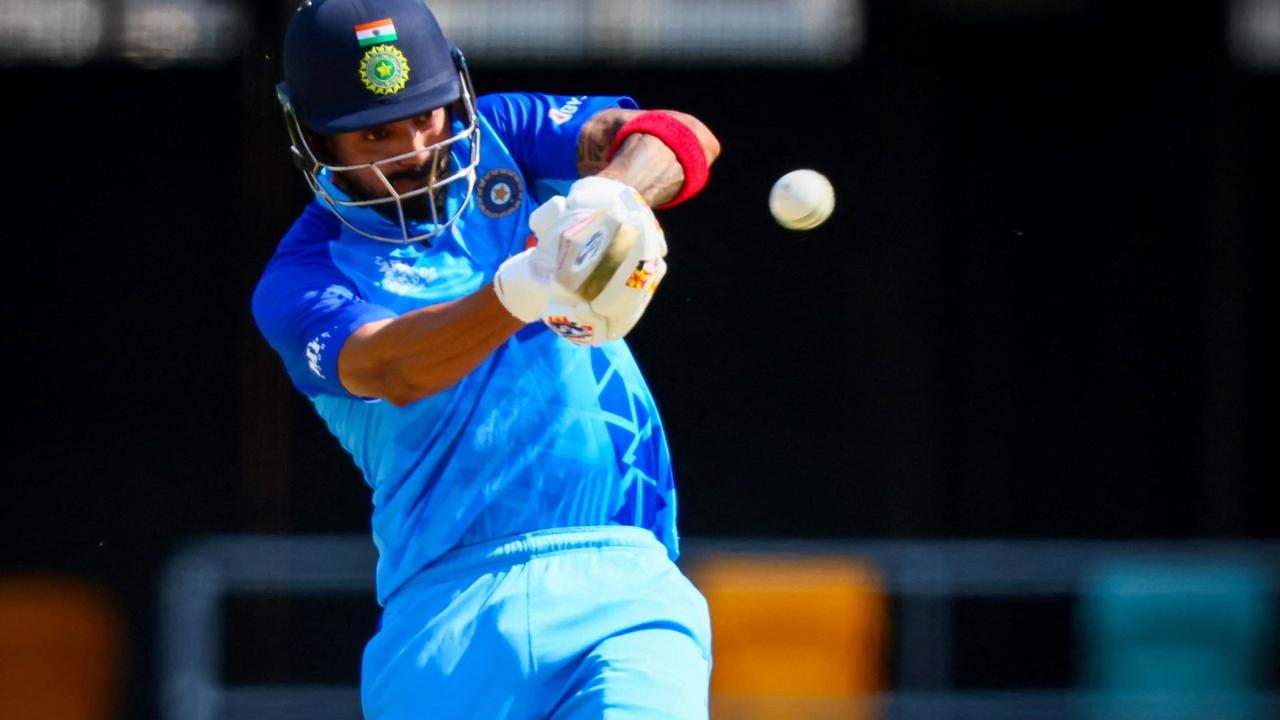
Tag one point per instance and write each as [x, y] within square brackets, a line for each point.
[425, 351]
[643, 161]
[649, 166]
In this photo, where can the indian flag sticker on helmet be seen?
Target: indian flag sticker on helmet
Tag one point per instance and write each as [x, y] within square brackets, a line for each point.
[378, 31]
[384, 70]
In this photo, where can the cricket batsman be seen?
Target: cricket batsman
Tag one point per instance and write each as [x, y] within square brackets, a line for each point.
[454, 302]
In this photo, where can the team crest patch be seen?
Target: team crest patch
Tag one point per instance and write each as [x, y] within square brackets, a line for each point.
[499, 193]
[570, 330]
[384, 70]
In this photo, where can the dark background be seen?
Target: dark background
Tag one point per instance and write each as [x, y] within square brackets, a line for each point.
[1040, 310]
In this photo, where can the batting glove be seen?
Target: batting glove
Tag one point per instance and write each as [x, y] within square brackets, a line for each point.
[609, 261]
[523, 281]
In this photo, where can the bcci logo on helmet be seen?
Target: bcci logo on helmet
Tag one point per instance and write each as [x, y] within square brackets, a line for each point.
[384, 70]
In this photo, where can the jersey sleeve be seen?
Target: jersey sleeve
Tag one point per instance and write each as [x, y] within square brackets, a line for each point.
[541, 131]
[306, 308]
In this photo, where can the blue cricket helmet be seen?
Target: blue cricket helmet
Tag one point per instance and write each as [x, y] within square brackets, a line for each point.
[353, 64]
[330, 81]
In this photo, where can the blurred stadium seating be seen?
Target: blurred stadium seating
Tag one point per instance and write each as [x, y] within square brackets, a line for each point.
[61, 645]
[794, 636]
[1200, 636]
[841, 629]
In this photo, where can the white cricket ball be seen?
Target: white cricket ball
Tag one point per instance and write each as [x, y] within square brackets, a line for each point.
[802, 199]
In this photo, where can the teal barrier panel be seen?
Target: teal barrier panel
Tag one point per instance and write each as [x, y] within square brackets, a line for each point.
[1197, 641]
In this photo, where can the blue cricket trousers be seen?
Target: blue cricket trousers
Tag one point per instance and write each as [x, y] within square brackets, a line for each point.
[565, 624]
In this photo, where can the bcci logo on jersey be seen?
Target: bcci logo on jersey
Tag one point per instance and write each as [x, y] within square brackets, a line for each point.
[499, 193]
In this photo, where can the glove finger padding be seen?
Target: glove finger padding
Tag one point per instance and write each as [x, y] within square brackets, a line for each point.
[625, 294]
[609, 252]
[522, 284]
[614, 293]
[523, 281]
[575, 322]
[543, 221]
[615, 199]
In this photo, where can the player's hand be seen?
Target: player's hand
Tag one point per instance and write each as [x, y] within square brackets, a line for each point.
[609, 260]
[523, 281]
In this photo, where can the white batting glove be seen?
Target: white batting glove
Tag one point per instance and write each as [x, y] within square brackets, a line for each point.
[523, 281]
[619, 201]
[609, 261]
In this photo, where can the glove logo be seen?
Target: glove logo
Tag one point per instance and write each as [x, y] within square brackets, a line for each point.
[590, 248]
[384, 70]
[499, 193]
[642, 279]
[570, 330]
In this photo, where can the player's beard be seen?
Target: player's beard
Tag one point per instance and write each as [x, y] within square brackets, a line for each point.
[416, 208]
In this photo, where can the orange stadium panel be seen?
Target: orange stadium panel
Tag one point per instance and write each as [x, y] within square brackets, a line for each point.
[794, 636]
[61, 643]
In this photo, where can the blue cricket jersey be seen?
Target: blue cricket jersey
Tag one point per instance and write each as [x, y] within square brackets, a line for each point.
[543, 434]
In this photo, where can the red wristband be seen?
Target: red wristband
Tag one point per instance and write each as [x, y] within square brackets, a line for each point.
[682, 141]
